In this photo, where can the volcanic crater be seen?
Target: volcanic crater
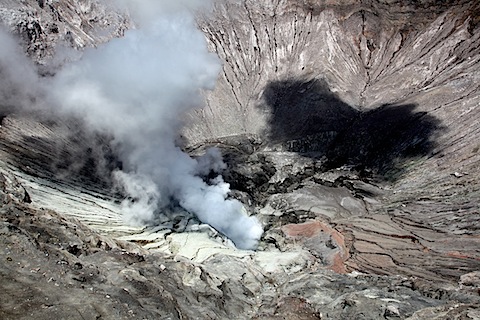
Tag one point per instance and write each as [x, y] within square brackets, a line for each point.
[349, 130]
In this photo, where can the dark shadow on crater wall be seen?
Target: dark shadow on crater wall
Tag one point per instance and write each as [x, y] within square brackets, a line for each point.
[300, 109]
[308, 118]
[70, 154]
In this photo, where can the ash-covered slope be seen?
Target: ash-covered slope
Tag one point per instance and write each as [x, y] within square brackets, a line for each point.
[350, 131]
[388, 89]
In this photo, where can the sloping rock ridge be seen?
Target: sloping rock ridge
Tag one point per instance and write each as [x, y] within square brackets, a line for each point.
[350, 130]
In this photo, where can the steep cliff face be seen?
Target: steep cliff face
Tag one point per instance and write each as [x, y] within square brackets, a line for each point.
[350, 130]
[368, 55]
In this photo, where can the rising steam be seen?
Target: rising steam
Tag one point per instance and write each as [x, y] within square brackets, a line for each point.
[19, 81]
[136, 89]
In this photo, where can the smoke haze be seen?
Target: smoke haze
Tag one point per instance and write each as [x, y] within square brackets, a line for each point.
[19, 81]
[136, 88]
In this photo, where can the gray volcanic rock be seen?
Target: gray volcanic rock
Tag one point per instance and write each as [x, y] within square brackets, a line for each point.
[381, 88]
[53, 266]
[46, 25]
[350, 130]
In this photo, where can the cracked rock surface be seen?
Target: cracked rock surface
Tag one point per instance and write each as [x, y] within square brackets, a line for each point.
[350, 129]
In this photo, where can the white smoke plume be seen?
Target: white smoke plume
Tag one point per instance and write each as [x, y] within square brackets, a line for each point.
[136, 89]
[19, 82]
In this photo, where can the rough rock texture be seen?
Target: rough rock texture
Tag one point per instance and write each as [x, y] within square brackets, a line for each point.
[350, 129]
[46, 25]
[53, 266]
[380, 88]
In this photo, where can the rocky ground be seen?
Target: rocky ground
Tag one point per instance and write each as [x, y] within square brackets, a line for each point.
[350, 130]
